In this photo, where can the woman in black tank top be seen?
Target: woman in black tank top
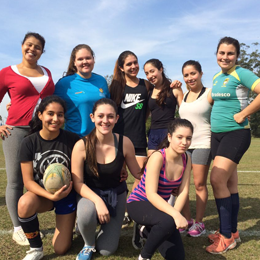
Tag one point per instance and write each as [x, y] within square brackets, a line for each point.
[131, 96]
[162, 102]
[97, 161]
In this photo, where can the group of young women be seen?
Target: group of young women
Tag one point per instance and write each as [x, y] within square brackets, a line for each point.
[104, 135]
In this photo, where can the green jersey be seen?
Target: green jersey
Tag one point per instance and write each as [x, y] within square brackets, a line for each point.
[230, 94]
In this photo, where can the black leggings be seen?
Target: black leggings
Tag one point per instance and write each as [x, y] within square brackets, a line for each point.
[162, 235]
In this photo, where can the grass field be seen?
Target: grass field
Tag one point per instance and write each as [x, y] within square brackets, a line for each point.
[249, 221]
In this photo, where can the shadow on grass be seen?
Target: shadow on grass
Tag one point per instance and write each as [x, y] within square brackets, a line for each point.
[2, 201]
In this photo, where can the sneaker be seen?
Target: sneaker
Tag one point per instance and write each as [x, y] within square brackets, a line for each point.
[126, 221]
[221, 245]
[42, 235]
[197, 229]
[137, 240]
[141, 258]
[212, 237]
[20, 238]
[86, 253]
[34, 254]
[236, 237]
[190, 224]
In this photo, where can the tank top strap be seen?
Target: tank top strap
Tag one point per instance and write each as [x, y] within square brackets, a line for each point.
[84, 140]
[184, 159]
[162, 151]
[120, 144]
[141, 82]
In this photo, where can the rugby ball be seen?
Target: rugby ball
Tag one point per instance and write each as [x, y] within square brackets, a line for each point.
[55, 177]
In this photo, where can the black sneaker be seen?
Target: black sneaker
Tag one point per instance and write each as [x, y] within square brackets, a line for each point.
[137, 240]
[126, 221]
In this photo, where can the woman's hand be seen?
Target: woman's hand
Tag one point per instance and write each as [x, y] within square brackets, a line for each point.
[61, 193]
[239, 118]
[102, 212]
[4, 131]
[123, 174]
[180, 221]
[176, 84]
[8, 106]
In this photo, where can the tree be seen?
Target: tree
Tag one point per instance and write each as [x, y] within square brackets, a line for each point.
[109, 79]
[251, 60]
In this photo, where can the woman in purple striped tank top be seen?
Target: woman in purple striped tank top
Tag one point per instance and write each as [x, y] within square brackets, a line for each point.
[166, 169]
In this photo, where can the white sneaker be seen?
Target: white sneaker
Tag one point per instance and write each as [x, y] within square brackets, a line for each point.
[140, 258]
[20, 238]
[34, 254]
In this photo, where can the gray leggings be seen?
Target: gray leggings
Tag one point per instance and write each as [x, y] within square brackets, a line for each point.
[108, 236]
[14, 188]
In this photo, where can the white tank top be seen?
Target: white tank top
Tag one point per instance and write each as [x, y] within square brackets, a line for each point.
[198, 113]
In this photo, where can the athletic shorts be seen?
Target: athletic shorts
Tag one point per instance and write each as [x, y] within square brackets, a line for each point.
[155, 137]
[140, 152]
[66, 205]
[201, 156]
[231, 145]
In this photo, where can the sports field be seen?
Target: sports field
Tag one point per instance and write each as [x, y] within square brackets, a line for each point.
[249, 221]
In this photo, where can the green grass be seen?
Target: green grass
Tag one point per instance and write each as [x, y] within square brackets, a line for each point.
[249, 221]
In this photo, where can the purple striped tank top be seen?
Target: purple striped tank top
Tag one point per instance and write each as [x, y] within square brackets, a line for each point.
[165, 186]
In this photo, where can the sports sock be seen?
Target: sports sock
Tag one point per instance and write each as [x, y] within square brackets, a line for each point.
[31, 229]
[17, 228]
[225, 211]
[235, 209]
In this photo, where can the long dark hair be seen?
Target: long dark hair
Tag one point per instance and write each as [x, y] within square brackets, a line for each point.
[172, 126]
[118, 83]
[91, 139]
[165, 91]
[72, 68]
[36, 124]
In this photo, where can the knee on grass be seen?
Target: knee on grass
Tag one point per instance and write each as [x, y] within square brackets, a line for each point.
[108, 251]
[61, 250]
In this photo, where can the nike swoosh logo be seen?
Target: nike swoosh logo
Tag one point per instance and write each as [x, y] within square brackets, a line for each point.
[124, 106]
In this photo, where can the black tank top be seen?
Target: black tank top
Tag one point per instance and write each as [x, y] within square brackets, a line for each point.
[109, 174]
[132, 114]
[162, 115]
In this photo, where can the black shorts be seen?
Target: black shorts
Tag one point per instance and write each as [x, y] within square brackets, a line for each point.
[231, 145]
[155, 137]
[141, 152]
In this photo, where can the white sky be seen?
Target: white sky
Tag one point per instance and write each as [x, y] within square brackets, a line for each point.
[173, 31]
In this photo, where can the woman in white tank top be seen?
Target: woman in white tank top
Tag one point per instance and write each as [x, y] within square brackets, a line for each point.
[196, 107]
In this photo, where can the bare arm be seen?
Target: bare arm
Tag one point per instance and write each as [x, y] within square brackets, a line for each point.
[177, 92]
[77, 165]
[253, 107]
[31, 185]
[149, 88]
[184, 188]
[130, 159]
[153, 168]
[210, 100]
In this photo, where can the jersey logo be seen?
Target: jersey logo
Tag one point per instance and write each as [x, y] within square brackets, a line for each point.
[225, 82]
[131, 99]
